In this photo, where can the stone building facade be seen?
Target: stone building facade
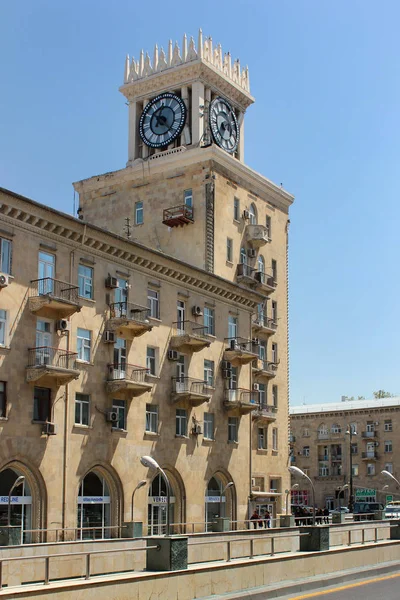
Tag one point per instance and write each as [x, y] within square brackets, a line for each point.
[154, 324]
[323, 437]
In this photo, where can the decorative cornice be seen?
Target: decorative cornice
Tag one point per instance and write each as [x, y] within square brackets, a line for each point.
[57, 226]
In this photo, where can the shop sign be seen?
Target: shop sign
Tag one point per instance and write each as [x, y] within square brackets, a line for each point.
[93, 499]
[160, 499]
[16, 500]
[365, 493]
[389, 498]
[210, 499]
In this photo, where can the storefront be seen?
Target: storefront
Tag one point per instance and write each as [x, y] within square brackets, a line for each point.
[94, 508]
[365, 495]
[217, 502]
[157, 507]
[16, 509]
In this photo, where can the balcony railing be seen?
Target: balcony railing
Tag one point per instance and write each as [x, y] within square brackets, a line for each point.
[126, 315]
[240, 350]
[245, 400]
[266, 281]
[265, 323]
[266, 367]
[245, 273]
[257, 235]
[369, 434]
[46, 361]
[53, 298]
[191, 328]
[370, 455]
[178, 215]
[191, 335]
[266, 412]
[196, 391]
[127, 378]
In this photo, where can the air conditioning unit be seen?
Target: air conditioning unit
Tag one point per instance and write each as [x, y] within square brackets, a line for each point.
[258, 276]
[196, 430]
[255, 341]
[4, 280]
[197, 311]
[49, 428]
[256, 387]
[251, 253]
[112, 416]
[62, 325]
[173, 355]
[109, 337]
[111, 282]
[226, 373]
[246, 214]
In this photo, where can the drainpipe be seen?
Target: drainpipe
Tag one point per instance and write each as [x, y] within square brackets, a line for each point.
[250, 429]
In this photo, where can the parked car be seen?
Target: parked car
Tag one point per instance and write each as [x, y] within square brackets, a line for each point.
[392, 512]
[365, 510]
[339, 509]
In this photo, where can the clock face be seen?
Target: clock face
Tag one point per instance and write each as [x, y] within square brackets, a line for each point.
[224, 125]
[162, 120]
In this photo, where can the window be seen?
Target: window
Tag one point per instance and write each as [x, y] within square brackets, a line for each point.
[41, 404]
[151, 418]
[274, 353]
[85, 281]
[3, 399]
[274, 310]
[153, 303]
[236, 209]
[354, 448]
[389, 467]
[138, 213]
[268, 226]
[388, 425]
[151, 360]
[353, 427]
[306, 432]
[274, 269]
[232, 327]
[262, 351]
[181, 422]
[323, 471]
[46, 270]
[3, 327]
[261, 438]
[336, 428]
[208, 426]
[188, 198]
[233, 378]
[354, 470]
[388, 446]
[81, 409]
[370, 469]
[370, 426]
[275, 396]
[262, 388]
[209, 320]
[261, 264]
[253, 214]
[84, 344]
[243, 256]
[232, 429]
[119, 406]
[5, 254]
[229, 250]
[306, 450]
[209, 372]
[275, 438]
[322, 431]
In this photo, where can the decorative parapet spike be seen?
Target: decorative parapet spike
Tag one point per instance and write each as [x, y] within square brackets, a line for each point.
[135, 70]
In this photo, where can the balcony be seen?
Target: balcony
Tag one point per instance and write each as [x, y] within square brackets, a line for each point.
[262, 324]
[195, 391]
[245, 274]
[266, 413]
[264, 281]
[131, 318]
[336, 458]
[241, 399]
[178, 216]
[188, 335]
[257, 235]
[126, 378]
[370, 455]
[51, 364]
[53, 299]
[265, 368]
[369, 435]
[240, 351]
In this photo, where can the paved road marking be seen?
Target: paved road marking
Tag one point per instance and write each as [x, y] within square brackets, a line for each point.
[344, 587]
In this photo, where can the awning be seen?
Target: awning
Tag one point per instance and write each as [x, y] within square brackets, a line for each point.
[262, 495]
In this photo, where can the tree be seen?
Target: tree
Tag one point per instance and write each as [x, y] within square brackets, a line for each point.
[382, 394]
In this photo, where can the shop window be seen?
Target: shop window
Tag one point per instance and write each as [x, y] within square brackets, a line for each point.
[94, 508]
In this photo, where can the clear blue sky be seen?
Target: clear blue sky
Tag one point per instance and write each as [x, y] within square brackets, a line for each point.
[326, 123]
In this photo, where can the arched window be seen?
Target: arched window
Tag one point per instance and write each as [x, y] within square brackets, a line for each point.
[261, 264]
[219, 503]
[336, 428]
[253, 214]
[157, 506]
[20, 506]
[322, 431]
[94, 508]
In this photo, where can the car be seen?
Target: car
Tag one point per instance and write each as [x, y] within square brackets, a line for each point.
[392, 512]
[339, 509]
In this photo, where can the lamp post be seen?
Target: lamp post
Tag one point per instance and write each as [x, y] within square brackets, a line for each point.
[300, 473]
[228, 485]
[387, 474]
[350, 433]
[16, 483]
[294, 487]
[139, 485]
[341, 489]
[150, 463]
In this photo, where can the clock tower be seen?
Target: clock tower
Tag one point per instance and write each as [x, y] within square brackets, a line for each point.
[191, 97]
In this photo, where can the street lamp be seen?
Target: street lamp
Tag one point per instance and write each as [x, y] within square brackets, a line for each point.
[139, 485]
[341, 489]
[350, 433]
[294, 487]
[300, 473]
[387, 474]
[16, 483]
[150, 463]
[228, 485]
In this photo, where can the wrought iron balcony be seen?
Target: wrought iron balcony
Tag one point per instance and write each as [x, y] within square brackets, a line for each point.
[370, 455]
[245, 274]
[266, 413]
[190, 335]
[52, 364]
[196, 391]
[264, 324]
[369, 435]
[257, 235]
[242, 400]
[53, 298]
[178, 216]
[240, 350]
[132, 318]
[265, 368]
[265, 281]
[127, 378]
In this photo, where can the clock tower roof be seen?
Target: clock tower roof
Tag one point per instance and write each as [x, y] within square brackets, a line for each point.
[181, 66]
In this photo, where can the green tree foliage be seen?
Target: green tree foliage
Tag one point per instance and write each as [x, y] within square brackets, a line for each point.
[382, 394]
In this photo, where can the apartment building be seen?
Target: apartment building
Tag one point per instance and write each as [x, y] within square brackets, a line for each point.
[155, 323]
[330, 441]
